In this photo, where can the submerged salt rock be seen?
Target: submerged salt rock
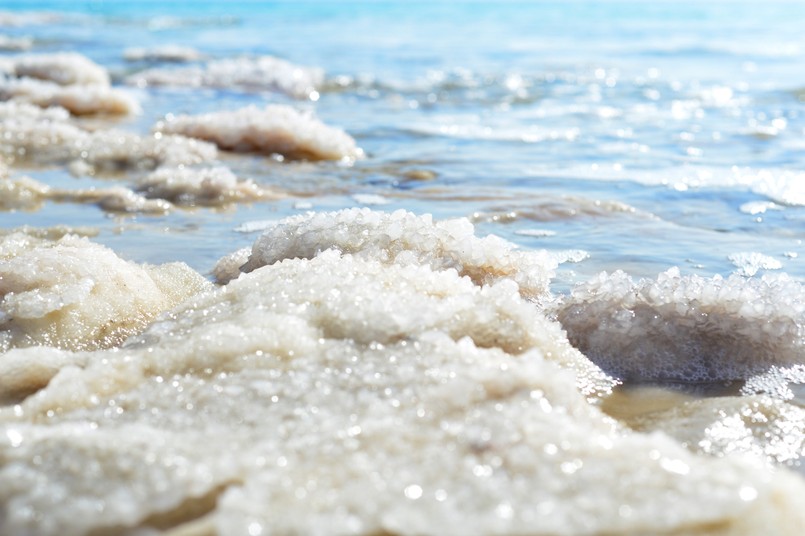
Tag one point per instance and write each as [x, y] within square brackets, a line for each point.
[760, 426]
[172, 53]
[264, 73]
[280, 406]
[688, 329]
[75, 294]
[78, 100]
[45, 136]
[214, 186]
[405, 238]
[275, 129]
[63, 68]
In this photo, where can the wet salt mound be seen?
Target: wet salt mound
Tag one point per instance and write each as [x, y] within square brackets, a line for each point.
[275, 129]
[46, 137]
[21, 193]
[687, 329]
[68, 80]
[276, 405]
[166, 53]
[264, 73]
[74, 294]
[404, 238]
[214, 186]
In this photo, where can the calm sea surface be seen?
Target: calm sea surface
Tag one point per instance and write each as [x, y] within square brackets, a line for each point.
[645, 135]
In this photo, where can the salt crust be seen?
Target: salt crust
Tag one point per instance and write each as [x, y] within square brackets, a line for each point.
[77, 295]
[26, 18]
[264, 73]
[344, 395]
[275, 129]
[15, 43]
[213, 186]
[45, 136]
[172, 53]
[404, 238]
[687, 328]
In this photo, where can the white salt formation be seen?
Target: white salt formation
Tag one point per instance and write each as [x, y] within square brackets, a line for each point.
[214, 186]
[47, 137]
[264, 73]
[275, 129]
[404, 238]
[68, 80]
[21, 193]
[750, 263]
[345, 395]
[77, 295]
[687, 329]
[167, 53]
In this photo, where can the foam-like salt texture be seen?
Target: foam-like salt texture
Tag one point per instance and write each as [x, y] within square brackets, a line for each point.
[688, 329]
[263, 73]
[275, 129]
[77, 99]
[345, 395]
[45, 136]
[405, 238]
[75, 294]
[213, 186]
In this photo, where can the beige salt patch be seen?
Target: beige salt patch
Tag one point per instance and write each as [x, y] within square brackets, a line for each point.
[275, 129]
[63, 68]
[167, 53]
[76, 295]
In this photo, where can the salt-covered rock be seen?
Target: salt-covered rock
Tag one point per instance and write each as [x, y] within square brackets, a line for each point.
[212, 186]
[346, 395]
[75, 294]
[228, 267]
[264, 73]
[689, 328]
[404, 238]
[275, 129]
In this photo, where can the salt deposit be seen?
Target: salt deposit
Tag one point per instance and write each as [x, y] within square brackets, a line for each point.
[214, 186]
[275, 129]
[404, 238]
[15, 43]
[74, 294]
[172, 53]
[63, 68]
[751, 262]
[688, 329]
[47, 137]
[21, 193]
[26, 18]
[264, 73]
[78, 100]
[276, 405]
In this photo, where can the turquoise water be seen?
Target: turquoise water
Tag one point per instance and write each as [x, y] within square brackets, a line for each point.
[538, 110]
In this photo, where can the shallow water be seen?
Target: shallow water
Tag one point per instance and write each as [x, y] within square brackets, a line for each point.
[618, 136]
